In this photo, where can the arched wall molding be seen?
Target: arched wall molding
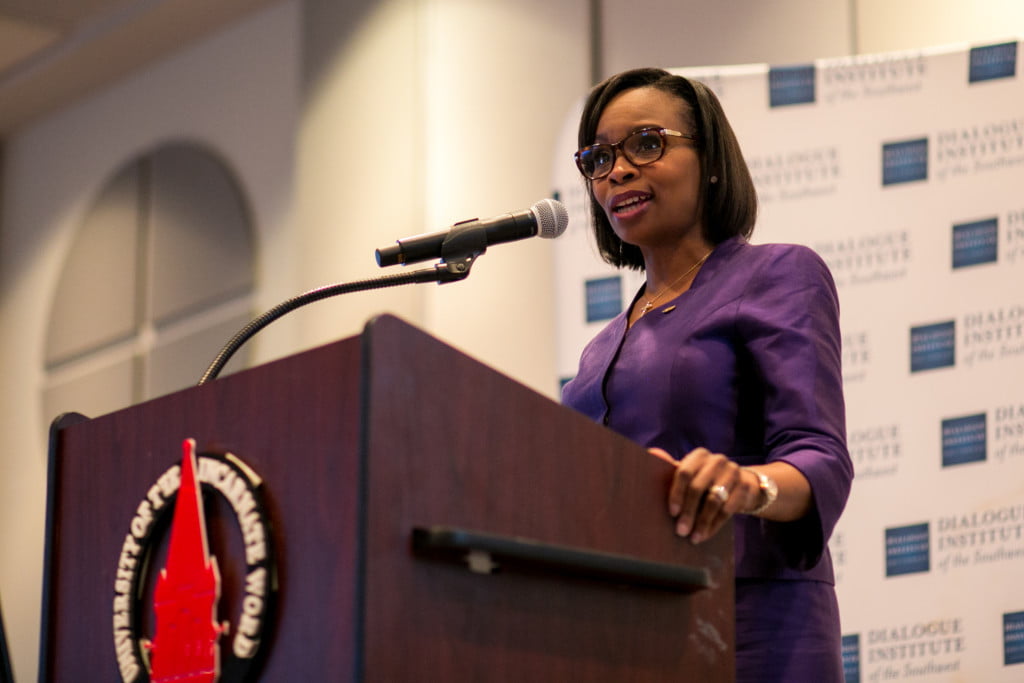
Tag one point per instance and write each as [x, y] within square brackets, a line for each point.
[159, 272]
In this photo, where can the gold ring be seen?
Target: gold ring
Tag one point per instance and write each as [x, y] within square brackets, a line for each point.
[720, 492]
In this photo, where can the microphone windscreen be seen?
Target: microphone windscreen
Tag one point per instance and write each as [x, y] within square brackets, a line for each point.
[552, 218]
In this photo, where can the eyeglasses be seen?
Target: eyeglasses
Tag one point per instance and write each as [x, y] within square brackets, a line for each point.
[643, 147]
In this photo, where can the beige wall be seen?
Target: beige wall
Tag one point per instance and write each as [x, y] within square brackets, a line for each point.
[359, 155]
[472, 94]
[465, 98]
[699, 33]
[216, 93]
[884, 25]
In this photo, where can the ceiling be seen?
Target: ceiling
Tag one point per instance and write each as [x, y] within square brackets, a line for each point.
[55, 51]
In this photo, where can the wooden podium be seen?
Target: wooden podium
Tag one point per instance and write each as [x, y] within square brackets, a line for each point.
[387, 459]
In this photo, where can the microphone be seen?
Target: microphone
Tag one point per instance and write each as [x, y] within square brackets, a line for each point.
[547, 218]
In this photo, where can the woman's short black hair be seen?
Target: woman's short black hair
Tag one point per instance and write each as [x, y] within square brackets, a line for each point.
[729, 205]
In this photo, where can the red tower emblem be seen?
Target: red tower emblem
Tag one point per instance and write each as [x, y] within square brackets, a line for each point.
[188, 645]
[184, 648]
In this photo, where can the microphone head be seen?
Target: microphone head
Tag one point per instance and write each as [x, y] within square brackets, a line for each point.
[551, 216]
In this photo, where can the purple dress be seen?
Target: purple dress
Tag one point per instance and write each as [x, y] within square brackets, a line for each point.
[747, 363]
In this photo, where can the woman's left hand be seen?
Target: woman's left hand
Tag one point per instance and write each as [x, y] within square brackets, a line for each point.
[707, 489]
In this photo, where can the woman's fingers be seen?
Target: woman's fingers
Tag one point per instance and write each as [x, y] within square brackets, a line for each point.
[701, 496]
[663, 455]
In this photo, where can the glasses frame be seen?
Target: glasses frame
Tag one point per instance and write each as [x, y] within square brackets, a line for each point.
[617, 146]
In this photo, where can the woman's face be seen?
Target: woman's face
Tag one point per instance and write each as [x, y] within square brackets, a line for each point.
[655, 204]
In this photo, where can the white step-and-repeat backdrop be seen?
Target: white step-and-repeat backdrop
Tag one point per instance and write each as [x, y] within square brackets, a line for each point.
[905, 171]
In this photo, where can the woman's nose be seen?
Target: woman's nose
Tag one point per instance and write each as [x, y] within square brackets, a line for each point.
[622, 168]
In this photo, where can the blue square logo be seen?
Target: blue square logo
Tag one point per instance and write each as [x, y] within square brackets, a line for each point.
[933, 346]
[907, 550]
[905, 161]
[993, 61]
[964, 439]
[851, 658]
[604, 298]
[791, 85]
[1013, 638]
[975, 243]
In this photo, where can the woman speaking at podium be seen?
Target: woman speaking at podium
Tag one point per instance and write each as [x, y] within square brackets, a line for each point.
[727, 362]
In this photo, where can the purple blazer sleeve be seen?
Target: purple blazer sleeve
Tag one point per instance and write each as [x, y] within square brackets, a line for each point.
[788, 322]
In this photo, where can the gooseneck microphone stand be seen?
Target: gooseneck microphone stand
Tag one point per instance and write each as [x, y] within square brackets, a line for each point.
[450, 269]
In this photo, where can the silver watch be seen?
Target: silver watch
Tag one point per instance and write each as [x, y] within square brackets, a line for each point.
[769, 492]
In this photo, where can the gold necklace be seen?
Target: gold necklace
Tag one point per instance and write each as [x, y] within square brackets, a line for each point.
[650, 302]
